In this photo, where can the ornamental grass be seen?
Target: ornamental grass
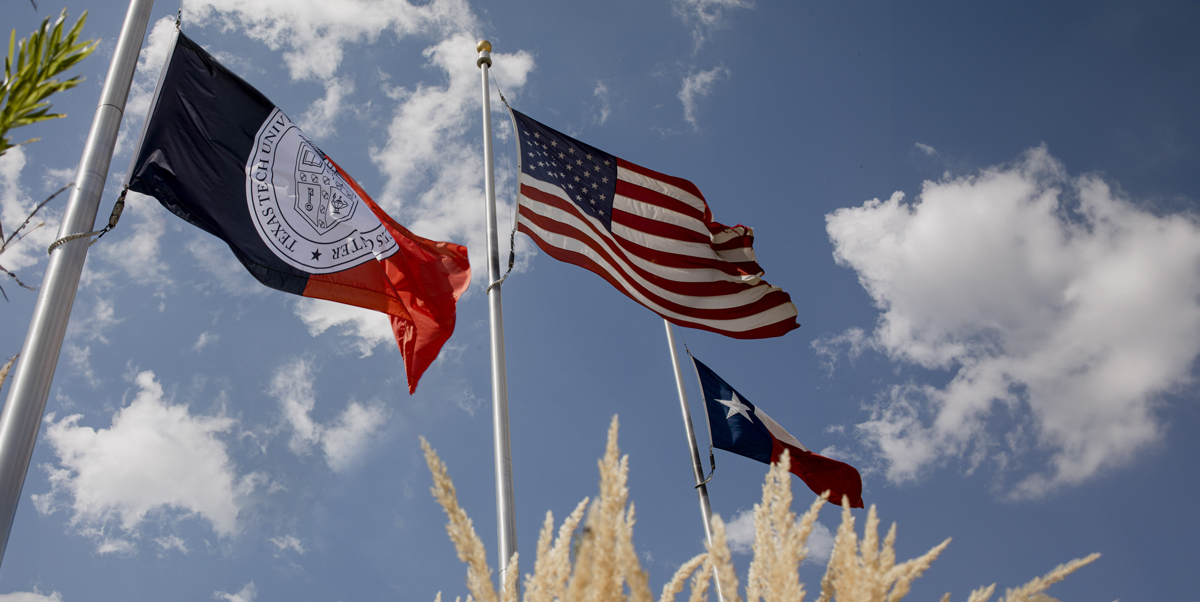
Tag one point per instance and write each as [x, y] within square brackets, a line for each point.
[598, 563]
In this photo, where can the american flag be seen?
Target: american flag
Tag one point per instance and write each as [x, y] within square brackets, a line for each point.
[650, 235]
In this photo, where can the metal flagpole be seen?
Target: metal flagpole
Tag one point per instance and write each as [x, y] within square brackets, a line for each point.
[505, 514]
[697, 467]
[22, 416]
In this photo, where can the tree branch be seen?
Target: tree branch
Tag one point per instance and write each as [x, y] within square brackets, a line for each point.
[4, 242]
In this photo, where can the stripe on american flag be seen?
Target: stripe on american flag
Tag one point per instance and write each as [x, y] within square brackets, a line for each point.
[650, 235]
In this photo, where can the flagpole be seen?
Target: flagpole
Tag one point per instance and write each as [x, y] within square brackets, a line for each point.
[505, 514]
[697, 467]
[21, 418]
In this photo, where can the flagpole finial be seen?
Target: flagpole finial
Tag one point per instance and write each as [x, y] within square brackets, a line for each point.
[485, 53]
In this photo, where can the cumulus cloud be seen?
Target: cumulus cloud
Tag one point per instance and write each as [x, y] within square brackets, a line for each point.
[820, 544]
[145, 78]
[343, 440]
[432, 158]
[15, 207]
[1062, 310]
[156, 457]
[739, 534]
[349, 436]
[134, 247]
[314, 34]
[367, 329]
[925, 148]
[696, 86]
[319, 120]
[33, 596]
[247, 594]
[292, 386]
[705, 16]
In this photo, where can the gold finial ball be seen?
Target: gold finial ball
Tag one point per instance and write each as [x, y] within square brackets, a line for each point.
[484, 46]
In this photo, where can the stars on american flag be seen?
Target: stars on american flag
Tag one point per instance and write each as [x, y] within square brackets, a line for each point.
[586, 175]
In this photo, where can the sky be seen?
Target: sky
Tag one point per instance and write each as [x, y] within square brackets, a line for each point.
[985, 213]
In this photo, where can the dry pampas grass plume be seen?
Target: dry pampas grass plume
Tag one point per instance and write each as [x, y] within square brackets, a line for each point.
[601, 564]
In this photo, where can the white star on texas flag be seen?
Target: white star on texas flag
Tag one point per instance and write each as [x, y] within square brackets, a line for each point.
[736, 407]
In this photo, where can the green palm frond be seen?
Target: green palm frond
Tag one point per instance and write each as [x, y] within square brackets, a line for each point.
[30, 73]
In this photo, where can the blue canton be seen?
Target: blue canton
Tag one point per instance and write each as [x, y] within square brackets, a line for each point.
[587, 175]
[732, 431]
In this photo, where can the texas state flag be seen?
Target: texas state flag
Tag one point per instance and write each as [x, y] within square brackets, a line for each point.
[740, 427]
[219, 154]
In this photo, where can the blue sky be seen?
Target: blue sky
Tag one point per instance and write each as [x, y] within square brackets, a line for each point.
[984, 212]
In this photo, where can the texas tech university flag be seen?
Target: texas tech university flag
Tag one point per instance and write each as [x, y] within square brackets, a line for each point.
[220, 155]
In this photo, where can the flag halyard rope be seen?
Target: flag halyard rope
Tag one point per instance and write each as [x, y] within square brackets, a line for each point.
[712, 459]
[118, 207]
[512, 235]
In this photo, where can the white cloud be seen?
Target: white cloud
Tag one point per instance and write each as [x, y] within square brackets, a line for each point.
[696, 86]
[246, 594]
[141, 89]
[56, 178]
[829, 348]
[287, 542]
[601, 94]
[344, 440]
[79, 358]
[214, 257]
[292, 386]
[705, 16]
[315, 33]
[1059, 306]
[15, 207]
[820, 544]
[368, 328]
[925, 148]
[432, 158]
[319, 120]
[133, 246]
[739, 534]
[33, 596]
[150, 63]
[171, 542]
[205, 339]
[106, 544]
[156, 457]
[348, 438]
[94, 326]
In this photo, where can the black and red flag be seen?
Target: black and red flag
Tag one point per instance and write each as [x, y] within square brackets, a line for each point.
[219, 154]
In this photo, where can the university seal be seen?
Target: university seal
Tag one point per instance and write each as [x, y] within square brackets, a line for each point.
[304, 210]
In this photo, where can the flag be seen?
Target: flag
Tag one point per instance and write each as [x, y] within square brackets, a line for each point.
[219, 154]
[738, 426]
[650, 235]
